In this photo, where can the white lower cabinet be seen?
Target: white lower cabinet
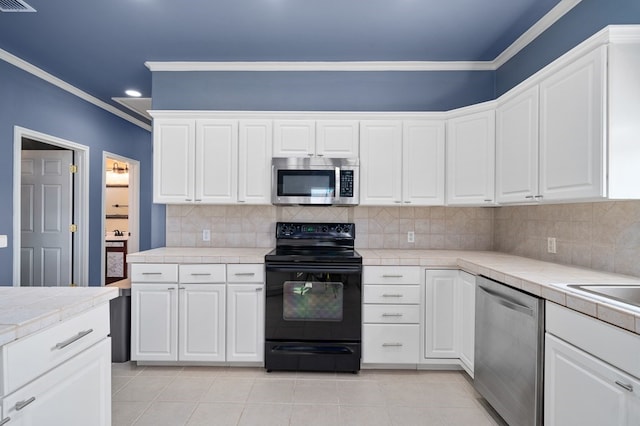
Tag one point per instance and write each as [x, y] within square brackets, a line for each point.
[467, 284]
[390, 343]
[580, 389]
[77, 392]
[199, 318]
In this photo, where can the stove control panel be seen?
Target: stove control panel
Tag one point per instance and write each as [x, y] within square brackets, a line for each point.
[290, 230]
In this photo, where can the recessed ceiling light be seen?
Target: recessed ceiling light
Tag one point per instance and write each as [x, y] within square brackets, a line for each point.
[133, 93]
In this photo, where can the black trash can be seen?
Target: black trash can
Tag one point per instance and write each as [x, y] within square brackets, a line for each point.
[120, 309]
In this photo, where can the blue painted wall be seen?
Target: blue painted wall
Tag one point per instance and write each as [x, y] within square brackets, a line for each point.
[321, 91]
[584, 20]
[32, 103]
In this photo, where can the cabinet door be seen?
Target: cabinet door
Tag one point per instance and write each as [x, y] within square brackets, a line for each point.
[216, 162]
[173, 157]
[380, 162]
[580, 389]
[423, 163]
[442, 316]
[294, 138]
[517, 148]
[471, 159]
[76, 393]
[467, 286]
[572, 159]
[254, 162]
[201, 323]
[154, 322]
[337, 138]
[245, 322]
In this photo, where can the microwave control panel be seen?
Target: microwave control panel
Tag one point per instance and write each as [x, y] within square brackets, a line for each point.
[346, 183]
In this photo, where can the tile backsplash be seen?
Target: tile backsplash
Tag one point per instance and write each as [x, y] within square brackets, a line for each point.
[603, 236]
[376, 227]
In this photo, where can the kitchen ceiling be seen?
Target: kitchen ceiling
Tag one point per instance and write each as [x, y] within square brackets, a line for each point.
[100, 47]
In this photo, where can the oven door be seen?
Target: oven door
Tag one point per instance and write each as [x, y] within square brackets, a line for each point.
[313, 303]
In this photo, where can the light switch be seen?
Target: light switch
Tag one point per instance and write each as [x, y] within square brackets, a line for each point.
[3, 241]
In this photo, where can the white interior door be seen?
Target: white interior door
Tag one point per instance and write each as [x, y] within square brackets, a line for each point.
[46, 214]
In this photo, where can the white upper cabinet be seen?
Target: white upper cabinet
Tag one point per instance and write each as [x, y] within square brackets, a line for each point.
[254, 161]
[322, 138]
[380, 162]
[517, 148]
[471, 159]
[423, 146]
[337, 138]
[173, 160]
[216, 171]
[572, 143]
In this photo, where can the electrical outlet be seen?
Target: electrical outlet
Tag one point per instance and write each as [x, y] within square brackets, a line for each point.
[3, 240]
[551, 245]
[206, 235]
[411, 237]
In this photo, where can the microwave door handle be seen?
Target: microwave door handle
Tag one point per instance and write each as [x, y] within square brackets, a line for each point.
[336, 187]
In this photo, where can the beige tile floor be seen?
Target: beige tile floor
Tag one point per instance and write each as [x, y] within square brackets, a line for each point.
[175, 396]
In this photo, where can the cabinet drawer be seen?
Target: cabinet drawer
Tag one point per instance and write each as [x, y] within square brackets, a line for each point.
[392, 294]
[390, 343]
[245, 273]
[391, 314]
[391, 275]
[154, 273]
[202, 273]
[28, 358]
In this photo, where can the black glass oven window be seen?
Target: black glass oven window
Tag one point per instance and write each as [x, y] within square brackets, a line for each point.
[312, 301]
[306, 183]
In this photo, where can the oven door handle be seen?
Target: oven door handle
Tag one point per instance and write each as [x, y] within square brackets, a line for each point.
[312, 350]
[345, 269]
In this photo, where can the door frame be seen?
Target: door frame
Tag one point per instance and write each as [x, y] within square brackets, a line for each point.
[80, 203]
[134, 205]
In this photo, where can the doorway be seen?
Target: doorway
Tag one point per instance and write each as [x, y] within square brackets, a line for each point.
[120, 214]
[50, 221]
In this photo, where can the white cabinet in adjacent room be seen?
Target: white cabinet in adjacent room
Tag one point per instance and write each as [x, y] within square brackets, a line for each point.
[471, 159]
[572, 142]
[402, 162]
[517, 148]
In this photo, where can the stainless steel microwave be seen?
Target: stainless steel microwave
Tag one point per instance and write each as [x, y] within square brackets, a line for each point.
[315, 181]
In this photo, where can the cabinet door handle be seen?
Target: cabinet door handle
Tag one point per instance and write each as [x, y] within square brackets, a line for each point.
[539, 196]
[387, 345]
[5, 421]
[625, 386]
[181, 288]
[488, 201]
[21, 404]
[391, 295]
[70, 340]
[171, 288]
[259, 289]
[392, 315]
[528, 197]
[397, 201]
[407, 202]
[244, 274]
[188, 199]
[392, 276]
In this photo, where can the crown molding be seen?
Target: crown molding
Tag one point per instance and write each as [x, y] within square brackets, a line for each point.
[323, 66]
[49, 78]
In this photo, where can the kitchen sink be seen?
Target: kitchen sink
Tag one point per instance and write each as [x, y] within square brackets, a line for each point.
[625, 293]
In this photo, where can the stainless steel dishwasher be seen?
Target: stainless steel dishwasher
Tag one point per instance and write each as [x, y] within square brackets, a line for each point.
[509, 351]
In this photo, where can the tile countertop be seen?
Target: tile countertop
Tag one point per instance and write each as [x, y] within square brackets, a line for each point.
[544, 279]
[26, 310]
[200, 255]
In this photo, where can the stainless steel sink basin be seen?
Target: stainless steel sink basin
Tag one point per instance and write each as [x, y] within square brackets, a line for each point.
[625, 293]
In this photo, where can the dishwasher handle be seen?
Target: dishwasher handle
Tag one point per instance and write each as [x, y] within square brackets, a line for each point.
[507, 302]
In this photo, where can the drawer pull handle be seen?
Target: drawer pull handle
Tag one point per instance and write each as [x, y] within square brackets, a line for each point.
[392, 276]
[70, 340]
[392, 315]
[625, 386]
[5, 421]
[387, 345]
[21, 404]
[201, 274]
[244, 274]
[171, 288]
[391, 295]
[181, 288]
[152, 273]
[259, 289]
